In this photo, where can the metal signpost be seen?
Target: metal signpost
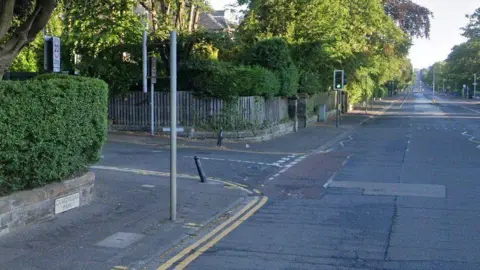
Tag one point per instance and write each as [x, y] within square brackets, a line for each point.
[434, 85]
[338, 85]
[474, 84]
[173, 126]
[153, 81]
[144, 55]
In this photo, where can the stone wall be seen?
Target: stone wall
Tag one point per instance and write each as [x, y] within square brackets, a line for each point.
[24, 208]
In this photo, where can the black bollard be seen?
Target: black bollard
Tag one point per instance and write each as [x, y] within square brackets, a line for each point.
[220, 138]
[203, 178]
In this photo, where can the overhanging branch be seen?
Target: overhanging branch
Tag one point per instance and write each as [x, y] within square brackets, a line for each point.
[6, 16]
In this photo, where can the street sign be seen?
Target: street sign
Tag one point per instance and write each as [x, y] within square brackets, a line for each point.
[153, 70]
[56, 54]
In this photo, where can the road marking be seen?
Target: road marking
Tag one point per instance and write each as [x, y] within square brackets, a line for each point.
[165, 174]
[215, 240]
[472, 139]
[119, 267]
[401, 105]
[470, 109]
[330, 180]
[193, 246]
[238, 160]
[147, 186]
[257, 191]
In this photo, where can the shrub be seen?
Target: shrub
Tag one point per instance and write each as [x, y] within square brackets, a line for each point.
[225, 80]
[274, 54]
[309, 83]
[52, 129]
[255, 81]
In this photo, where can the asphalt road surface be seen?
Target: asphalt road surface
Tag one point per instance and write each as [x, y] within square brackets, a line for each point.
[400, 193]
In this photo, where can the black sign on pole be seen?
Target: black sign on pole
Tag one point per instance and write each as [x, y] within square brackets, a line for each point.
[153, 70]
[51, 54]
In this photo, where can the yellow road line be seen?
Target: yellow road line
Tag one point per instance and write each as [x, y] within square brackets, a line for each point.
[215, 240]
[187, 250]
[165, 174]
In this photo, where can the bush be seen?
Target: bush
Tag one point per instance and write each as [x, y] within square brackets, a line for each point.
[255, 81]
[52, 129]
[274, 54]
[379, 92]
[309, 83]
[225, 80]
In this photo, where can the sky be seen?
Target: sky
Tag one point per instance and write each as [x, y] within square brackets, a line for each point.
[449, 17]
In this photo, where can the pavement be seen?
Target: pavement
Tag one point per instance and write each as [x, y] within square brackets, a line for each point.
[254, 190]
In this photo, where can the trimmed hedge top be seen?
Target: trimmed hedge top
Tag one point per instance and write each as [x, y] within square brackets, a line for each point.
[52, 129]
[226, 80]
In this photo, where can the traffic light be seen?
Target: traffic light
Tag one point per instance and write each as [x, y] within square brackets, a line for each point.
[338, 80]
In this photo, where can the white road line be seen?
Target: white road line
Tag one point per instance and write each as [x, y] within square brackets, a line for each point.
[147, 186]
[470, 109]
[275, 164]
[330, 180]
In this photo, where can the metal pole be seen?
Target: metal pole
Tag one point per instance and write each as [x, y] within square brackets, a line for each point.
[337, 120]
[474, 84]
[144, 55]
[434, 84]
[152, 109]
[173, 126]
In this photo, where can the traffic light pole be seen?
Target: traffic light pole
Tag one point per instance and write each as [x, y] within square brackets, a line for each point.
[337, 120]
[474, 84]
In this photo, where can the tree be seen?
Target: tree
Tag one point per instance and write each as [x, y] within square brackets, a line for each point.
[411, 17]
[20, 22]
[472, 29]
[356, 36]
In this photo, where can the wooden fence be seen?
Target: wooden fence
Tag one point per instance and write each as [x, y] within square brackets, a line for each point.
[133, 110]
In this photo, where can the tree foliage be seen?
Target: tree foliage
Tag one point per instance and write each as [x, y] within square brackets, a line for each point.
[414, 19]
[462, 62]
[472, 29]
[357, 36]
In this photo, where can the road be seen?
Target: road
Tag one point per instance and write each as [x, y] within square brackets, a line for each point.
[400, 193]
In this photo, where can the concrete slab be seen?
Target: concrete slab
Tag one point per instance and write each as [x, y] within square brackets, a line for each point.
[394, 189]
[120, 240]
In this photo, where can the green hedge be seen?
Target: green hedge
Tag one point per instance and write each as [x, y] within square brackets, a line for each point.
[274, 54]
[309, 83]
[226, 80]
[52, 129]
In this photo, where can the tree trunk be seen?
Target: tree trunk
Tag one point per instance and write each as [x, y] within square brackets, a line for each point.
[180, 11]
[191, 18]
[25, 33]
[195, 21]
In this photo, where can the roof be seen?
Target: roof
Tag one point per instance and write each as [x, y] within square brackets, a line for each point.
[214, 21]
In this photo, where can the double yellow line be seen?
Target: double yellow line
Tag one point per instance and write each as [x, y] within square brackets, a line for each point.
[209, 240]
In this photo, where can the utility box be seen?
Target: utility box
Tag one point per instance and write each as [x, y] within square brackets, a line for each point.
[322, 113]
